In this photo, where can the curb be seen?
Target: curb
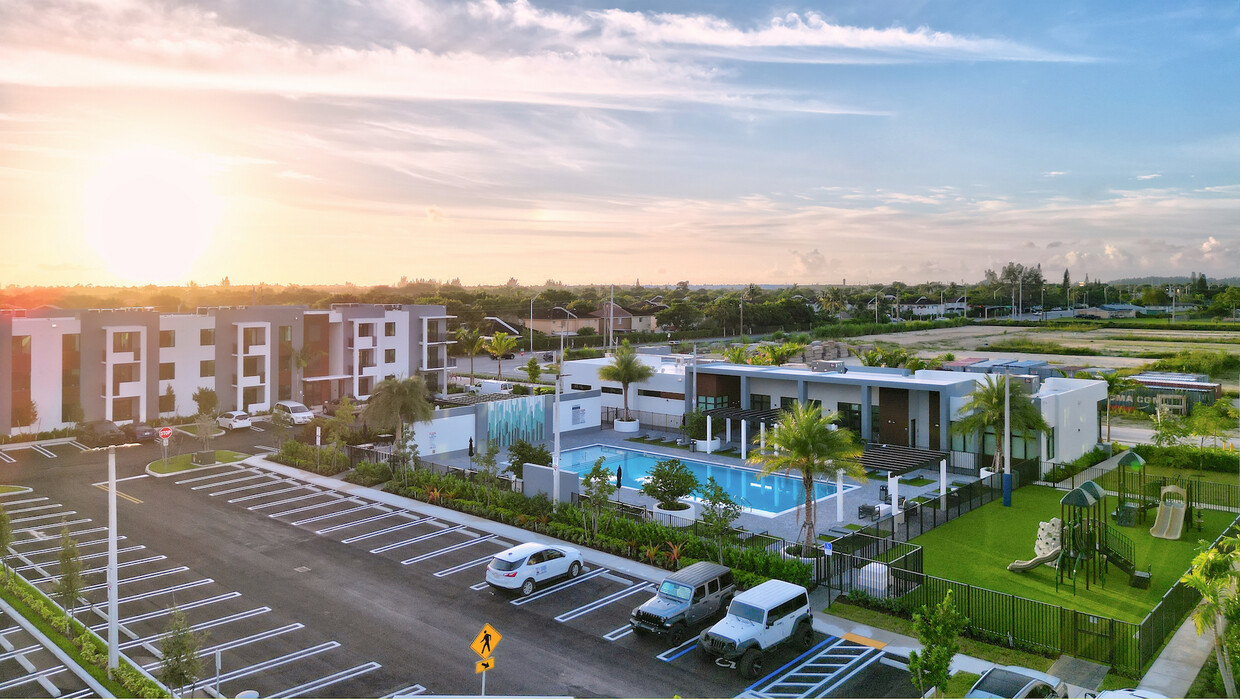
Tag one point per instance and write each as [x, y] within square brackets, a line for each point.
[55, 650]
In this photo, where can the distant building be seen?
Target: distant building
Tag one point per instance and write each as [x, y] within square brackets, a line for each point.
[1172, 392]
[625, 320]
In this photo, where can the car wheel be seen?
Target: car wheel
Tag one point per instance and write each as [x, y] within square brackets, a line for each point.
[677, 634]
[527, 587]
[574, 570]
[805, 636]
[751, 663]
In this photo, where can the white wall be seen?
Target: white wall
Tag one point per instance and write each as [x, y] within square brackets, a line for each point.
[187, 355]
[584, 373]
[444, 433]
[1071, 407]
[46, 381]
[587, 410]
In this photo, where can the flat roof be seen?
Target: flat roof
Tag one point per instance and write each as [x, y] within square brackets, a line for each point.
[922, 379]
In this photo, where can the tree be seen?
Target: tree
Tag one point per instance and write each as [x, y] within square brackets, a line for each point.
[206, 400]
[778, 355]
[625, 369]
[718, 513]
[6, 538]
[25, 413]
[395, 403]
[668, 482]
[168, 401]
[736, 354]
[1116, 385]
[533, 369]
[487, 462]
[74, 413]
[69, 586]
[812, 444]
[471, 342]
[598, 484]
[1213, 575]
[341, 424]
[938, 629]
[499, 345]
[1169, 430]
[179, 664]
[522, 452]
[679, 316]
[833, 300]
[1065, 286]
[984, 410]
[204, 426]
[282, 422]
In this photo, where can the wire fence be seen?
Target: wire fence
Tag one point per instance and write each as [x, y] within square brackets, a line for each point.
[649, 420]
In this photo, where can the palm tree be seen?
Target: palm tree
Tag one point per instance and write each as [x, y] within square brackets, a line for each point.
[1116, 385]
[395, 402]
[984, 410]
[500, 344]
[778, 355]
[471, 343]
[807, 441]
[833, 300]
[1213, 574]
[626, 368]
[736, 354]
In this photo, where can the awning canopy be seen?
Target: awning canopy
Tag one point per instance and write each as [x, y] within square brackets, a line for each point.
[768, 415]
[897, 460]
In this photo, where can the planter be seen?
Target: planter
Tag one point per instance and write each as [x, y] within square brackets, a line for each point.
[622, 425]
[795, 551]
[703, 445]
[675, 518]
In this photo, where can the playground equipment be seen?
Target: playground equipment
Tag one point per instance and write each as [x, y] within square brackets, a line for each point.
[1088, 544]
[1140, 492]
[1170, 520]
[1045, 550]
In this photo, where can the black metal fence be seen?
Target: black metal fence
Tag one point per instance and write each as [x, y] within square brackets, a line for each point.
[1208, 494]
[649, 420]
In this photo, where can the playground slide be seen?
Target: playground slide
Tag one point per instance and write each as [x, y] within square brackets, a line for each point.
[1033, 563]
[1170, 521]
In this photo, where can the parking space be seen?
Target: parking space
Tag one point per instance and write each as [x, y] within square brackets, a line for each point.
[27, 669]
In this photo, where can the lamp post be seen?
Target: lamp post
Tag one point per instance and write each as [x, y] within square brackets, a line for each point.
[876, 304]
[113, 626]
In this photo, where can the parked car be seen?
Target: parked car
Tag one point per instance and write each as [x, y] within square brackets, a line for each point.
[548, 356]
[526, 566]
[331, 406]
[1015, 682]
[684, 600]
[759, 620]
[234, 420]
[139, 432]
[507, 355]
[297, 413]
[100, 433]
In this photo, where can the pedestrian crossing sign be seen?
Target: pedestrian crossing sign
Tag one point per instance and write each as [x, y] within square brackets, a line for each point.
[486, 641]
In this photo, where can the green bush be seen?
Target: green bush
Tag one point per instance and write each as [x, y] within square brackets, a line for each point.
[1218, 363]
[1189, 458]
[326, 460]
[1071, 468]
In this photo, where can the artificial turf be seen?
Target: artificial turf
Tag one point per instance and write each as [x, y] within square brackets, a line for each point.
[977, 547]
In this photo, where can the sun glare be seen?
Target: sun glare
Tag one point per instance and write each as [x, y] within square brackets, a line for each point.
[150, 213]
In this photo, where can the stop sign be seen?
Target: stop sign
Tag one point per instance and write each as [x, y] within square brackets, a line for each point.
[165, 432]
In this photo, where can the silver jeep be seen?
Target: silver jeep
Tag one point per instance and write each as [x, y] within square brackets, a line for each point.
[685, 599]
[758, 620]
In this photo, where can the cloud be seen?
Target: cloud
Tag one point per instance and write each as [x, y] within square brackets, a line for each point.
[1054, 173]
[1149, 177]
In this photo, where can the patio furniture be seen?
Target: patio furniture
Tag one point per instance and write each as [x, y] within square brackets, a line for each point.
[883, 494]
[867, 511]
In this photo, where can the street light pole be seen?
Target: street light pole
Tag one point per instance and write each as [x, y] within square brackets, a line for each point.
[531, 326]
[113, 624]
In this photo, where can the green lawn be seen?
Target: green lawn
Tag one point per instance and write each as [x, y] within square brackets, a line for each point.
[977, 547]
[182, 462]
[1111, 478]
[12, 489]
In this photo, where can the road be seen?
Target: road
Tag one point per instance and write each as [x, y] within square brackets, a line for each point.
[309, 592]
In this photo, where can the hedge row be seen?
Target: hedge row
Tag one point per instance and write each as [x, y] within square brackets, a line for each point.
[1190, 458]
[326, 461]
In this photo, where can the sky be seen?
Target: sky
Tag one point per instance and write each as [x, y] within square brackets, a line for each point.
[303, 141]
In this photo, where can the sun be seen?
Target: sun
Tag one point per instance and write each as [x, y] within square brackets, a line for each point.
[150, 213]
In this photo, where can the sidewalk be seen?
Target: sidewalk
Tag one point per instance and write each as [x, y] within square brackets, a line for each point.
[1174, 670]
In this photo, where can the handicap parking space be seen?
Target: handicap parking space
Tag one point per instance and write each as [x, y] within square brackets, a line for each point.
[833, 667]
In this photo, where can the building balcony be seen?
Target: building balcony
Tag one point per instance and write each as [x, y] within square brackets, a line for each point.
[126, 389]
[363, 343]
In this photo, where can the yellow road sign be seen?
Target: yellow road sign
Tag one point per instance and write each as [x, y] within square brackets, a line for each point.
[486, 641]
[483, 665]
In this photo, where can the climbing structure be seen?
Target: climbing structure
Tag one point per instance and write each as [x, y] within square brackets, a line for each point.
[1089, 544]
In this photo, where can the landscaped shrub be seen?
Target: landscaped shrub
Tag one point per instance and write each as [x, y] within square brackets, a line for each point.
[1189, 458]
[369, 473]
[1071, 468]
[323, 460]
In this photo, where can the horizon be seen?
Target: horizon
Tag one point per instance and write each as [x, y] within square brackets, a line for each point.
[596, 143]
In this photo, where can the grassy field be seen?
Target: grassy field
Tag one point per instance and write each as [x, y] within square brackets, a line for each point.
[977, 547]
[182, 462]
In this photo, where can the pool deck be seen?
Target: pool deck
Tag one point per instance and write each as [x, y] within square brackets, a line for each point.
[786, 525]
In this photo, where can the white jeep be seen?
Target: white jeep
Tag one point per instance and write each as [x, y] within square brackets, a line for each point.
[758, 620]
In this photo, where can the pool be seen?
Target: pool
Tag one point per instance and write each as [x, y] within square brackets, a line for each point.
[769, 496]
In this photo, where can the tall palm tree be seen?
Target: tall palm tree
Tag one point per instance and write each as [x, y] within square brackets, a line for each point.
[397, 402]
[984, 410]
[500, 344]
[778, 355]
[833, 300]
[1116, 385]
[626, 368]
[1213, 574]
[471, 342]
[806, 441]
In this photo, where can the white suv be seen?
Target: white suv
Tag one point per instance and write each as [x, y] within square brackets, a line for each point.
[296, 413]
[758, 620]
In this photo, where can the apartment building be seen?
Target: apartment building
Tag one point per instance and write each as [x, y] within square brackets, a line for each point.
[61, 366]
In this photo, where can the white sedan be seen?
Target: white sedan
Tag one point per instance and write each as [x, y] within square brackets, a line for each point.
[526, 566]
[234, 420]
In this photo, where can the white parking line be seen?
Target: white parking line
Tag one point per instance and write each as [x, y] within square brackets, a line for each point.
[387, 530]
[147, 576]
[217, 484]
[464, 566]
[101, 554]
[239, 642]
[269, 481]
[560, 586]
[480, 586]
[200, 626]
[603, 602]
[328, 681]
[168, 610]
[38, 517]
[164, 591]
[119, 480]
[36, 508]
[43, 450]
[228, 471]
[92, 571]
[667, 655]
[260, 667]
[617, 634]
[4, 456]
[64, 524]
[34, 677]
[79, 445]
[416, 539]
[329, 515]
[284, 501]
[413, 691]
[307, 508]
[80, 694]
[21, 502]
[81, 544]
[354, 523]
[447, 549]
[264, 495]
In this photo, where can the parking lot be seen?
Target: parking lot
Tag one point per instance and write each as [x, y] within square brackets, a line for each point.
[304, 590]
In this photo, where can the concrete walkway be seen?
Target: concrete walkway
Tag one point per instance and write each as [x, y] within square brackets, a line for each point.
[1174, 670]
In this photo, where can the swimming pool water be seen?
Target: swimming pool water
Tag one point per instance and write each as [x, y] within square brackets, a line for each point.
[770, 495]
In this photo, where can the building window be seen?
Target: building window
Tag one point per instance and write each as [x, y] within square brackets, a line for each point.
[365, 359]
[365, 329]
[850, 416]
[206, 337]
[252, 366]
[668, 395]
[759, 401]
[124, 342]
[389, 329]
[167, 338]
[168, 403]
[253, 336]
[1050, 445]
[124, 409]
[206, 368]
[389, 356]
[167, 371]
[706, 403]
[612, 390]
[581, 387]
[286, 333]
[786, 402]
[252, 395]
[363, 386]
[390, 377]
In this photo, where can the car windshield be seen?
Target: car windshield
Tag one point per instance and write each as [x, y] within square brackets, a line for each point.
[299, 409]
[501, 564]
[675, 590]
[746, 611]
[1001, 683]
